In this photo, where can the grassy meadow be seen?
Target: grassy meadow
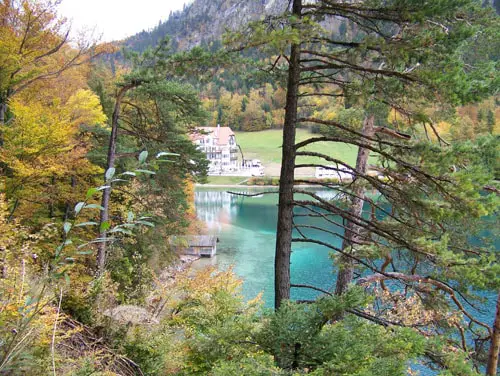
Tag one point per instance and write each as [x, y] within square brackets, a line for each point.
[266, 146]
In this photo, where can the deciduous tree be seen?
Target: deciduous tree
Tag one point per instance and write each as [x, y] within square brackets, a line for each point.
[156, 111]
[35, 46]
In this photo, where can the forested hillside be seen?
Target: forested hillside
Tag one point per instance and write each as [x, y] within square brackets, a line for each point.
[98, 174]
[246, 99]
[204, 22]
[239, 97]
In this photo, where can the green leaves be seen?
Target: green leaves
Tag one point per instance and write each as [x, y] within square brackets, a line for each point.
[110, 173]
[130, 216]
[146, 223]
[128, 173]
[79, 207]
[66, 227]
[146, 172]
[84, 224]
[164, 153]
[94, 206]
[143, 156]
[104, 226]
[91, 192]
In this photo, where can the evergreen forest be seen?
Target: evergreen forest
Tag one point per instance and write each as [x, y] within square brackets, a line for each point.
[98, 174]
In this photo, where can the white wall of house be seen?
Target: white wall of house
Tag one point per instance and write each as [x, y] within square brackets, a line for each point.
[220, 149]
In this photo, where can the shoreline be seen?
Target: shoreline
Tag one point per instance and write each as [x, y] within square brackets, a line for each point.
[234, 186]
[197, 185]
[180, 265]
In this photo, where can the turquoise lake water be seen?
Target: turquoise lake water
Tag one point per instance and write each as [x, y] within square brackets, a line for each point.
[246, 228]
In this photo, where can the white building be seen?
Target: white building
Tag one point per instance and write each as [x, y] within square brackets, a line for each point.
[219, 145]
[334, 172]
[252, 167]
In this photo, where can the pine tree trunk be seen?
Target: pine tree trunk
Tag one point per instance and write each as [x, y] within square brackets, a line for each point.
[3, 113]
[285, 206]
[352, 231]
[106, 195]
[495, 344]
[69, 204]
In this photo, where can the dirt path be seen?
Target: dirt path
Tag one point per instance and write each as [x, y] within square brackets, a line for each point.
[274, 169]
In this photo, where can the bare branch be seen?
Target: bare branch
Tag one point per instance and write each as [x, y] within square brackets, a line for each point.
[423, 279]
[251, 194]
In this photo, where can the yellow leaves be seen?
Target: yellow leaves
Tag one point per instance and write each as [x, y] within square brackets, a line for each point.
[396, 117]
[208, 281]
[411, 310]
[442, 128]
[257, 301]
[84, 107]
[278, 117]
[35, 138]
[40, 134]
[26, 316]
[321, 101]
[34, 45]
[208, 296]
[42, 143]
[329, 115]
[189, 191]
[9, 61]
[105, 48]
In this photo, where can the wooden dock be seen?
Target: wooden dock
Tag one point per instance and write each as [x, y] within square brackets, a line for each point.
[195, 245]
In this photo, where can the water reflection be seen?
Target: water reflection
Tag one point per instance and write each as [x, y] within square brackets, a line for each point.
[215, 208]
[246, 227]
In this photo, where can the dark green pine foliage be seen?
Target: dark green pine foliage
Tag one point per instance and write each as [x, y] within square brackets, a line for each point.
[430, 198]
[154, 111]
[490, 121]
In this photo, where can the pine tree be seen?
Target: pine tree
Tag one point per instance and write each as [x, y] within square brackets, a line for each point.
[490, 121]
[154, 114]
[401, 55]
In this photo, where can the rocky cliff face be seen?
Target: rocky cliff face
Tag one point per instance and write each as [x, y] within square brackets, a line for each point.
[213, 17]
[204, 21]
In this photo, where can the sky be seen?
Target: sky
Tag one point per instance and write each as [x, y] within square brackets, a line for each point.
[117, 19]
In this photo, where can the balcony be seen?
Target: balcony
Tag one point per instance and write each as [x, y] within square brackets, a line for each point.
[211, 149]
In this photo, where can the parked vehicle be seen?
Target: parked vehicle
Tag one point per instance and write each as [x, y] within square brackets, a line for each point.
[333, 172]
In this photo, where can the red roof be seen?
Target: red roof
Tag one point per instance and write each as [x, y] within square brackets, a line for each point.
[221, 133]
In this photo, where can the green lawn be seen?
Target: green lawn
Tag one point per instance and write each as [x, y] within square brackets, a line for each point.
[225, 180]
[266, 146]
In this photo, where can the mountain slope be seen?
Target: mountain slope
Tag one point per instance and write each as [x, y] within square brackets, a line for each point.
[202, 22]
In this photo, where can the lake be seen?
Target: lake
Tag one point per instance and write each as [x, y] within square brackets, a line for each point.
[246, 227]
